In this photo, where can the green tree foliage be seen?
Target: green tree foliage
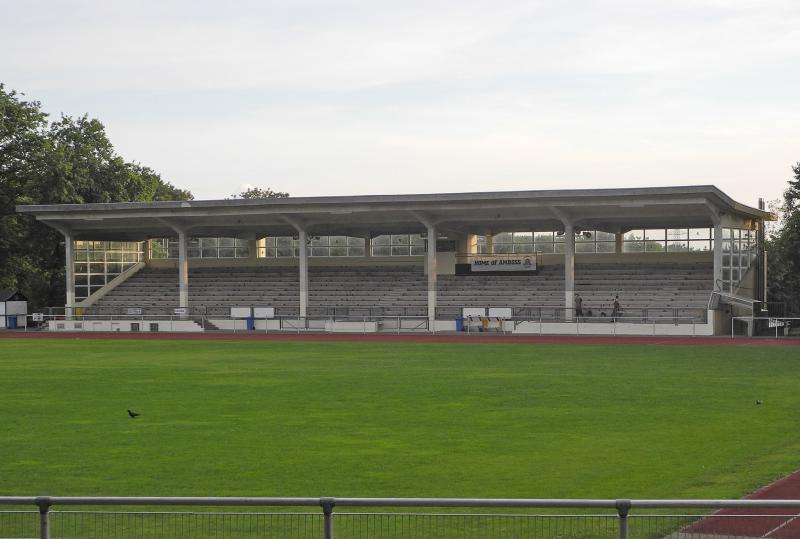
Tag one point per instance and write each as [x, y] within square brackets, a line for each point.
[68, 161]
[257, 192]
[783, 250]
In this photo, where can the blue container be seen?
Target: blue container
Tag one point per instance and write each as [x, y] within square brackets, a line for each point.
[459, 324]
[251, 323]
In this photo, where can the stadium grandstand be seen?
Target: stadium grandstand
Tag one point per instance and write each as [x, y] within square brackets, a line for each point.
[664, 260]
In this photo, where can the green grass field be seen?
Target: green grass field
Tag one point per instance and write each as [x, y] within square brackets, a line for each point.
[394, 419]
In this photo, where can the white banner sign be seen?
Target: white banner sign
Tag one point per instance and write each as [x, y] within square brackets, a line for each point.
[520, 263]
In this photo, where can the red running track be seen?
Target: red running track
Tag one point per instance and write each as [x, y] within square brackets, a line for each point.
[784, 525]
[419, 338]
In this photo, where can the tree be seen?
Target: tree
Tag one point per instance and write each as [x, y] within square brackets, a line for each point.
[783, 250]
[67, 161]
[257, 192]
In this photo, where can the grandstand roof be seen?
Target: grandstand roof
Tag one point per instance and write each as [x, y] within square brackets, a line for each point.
[612, 210]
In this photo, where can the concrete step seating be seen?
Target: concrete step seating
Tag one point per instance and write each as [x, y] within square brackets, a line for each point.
[639, 286]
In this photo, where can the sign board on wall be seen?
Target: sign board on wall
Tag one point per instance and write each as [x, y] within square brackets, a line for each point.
[519, 263]
[241, 312]
[263, 312]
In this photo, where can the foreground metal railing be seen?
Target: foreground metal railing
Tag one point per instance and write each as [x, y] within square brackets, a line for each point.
[601, 519]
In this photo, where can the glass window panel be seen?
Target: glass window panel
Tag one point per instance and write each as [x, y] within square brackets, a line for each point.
[726, 233]
[604, 236]
[558, 248]
[523, 237]
[81, 255]
[271, 241]
[93, 289]
[381, 250]
[417, 250]
[735, 275]
[319, 241]
[208, 252]
[726, 246]
[242, 252]
[227, 252]
[337, 241]
[584, 247]
[605, 246]
[355, 251]
[700, 245]
[726, 286]
[677, 246]
[81, 291]
[632, 247]
[726, 274]
[677, 234]
[286, 252]
[227, 242]
[114, 267]
[319, 251]
[96, 256]
[634, 235]
[114, 256]
[208, 243]
[284, 241]
[656, 234]
[399, 239]
[726, 261]
[191, 252]
[523, 248]
[503, 237]
[338, 251]
[381, 240]
[502, 248]
[584, 236]
[81, 280]
[416, 239]
[97, 279]
[558, 237]
[81, 267]
[355, 242]
[95, 267]
[654, 246]
[545, 248]
[543, 237]
[400, 250]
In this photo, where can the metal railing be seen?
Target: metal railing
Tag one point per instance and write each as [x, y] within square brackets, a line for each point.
[779, 326]
[356, 518]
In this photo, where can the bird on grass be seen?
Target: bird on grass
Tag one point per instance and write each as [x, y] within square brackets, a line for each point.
[133, 415]
[758, 402]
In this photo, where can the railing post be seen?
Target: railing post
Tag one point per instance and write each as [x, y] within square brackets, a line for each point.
[623, 507]
[44, 516]
[327, 511]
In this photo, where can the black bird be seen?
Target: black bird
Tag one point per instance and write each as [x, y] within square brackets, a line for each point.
[759, 402]
[134, 415]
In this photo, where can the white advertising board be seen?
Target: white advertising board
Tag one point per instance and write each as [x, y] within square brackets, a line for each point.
[499, 312]
[263, 312]
[241, 312]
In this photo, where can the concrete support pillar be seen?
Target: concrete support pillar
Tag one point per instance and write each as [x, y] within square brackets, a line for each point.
[472, 244]
[183, 271]
[718, 257]
[489, 243]
[430, 269]
[252, 249]
[146, 251]
[302, 244]
[367, 246]
[69, 259]
[618, 242]
[569, 271]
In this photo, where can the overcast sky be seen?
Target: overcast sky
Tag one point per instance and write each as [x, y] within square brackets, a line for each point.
[368, 97]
